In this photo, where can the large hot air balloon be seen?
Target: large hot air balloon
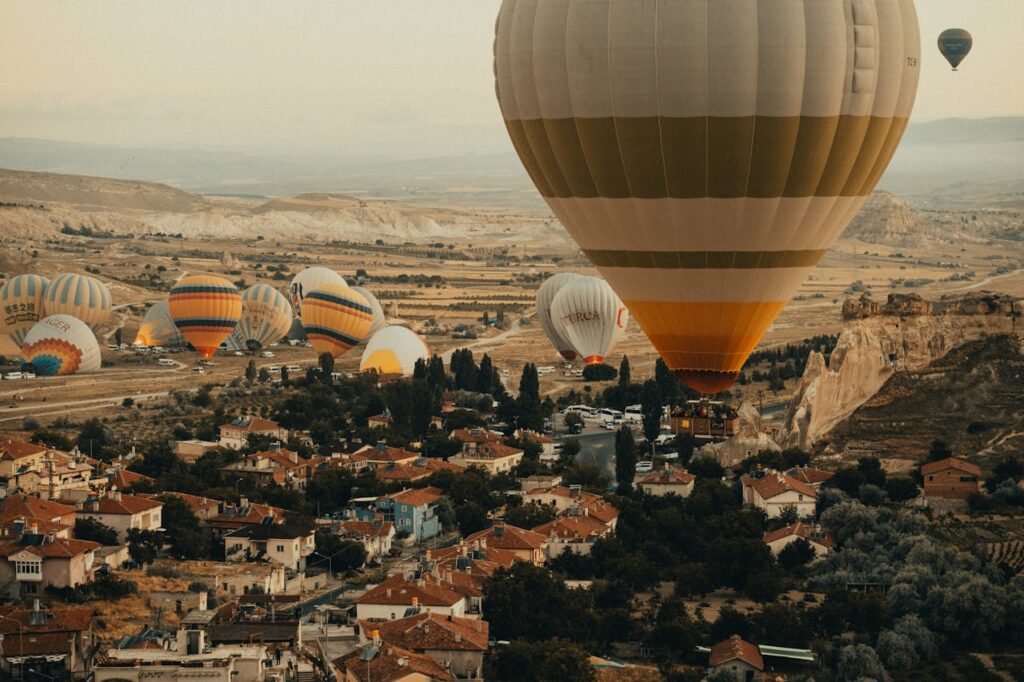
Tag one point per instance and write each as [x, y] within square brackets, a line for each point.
[61, 345]
[955, 44]
[266, 317]
[21, 305]
[591, 316]
[705, 155]
[551, 325]
[310, 279]
[393, 350]
[80, 296]
[206, 310]
[379, 320]
[158, 329]
[336, 318]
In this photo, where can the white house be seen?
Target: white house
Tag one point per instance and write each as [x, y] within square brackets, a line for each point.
[393, 597]
[772, 492]
[819, 539]
[123, 512]
[667, 481]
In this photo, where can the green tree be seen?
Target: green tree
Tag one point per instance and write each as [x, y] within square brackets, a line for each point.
[187, 538]
[651, 406]
[95, 531]
[550, 661]
[625, 375]
[326, 361]
[512, 596]
[625, 460]
[250, 371]
[144, 545]
[796, 555]
[529, 515]
[345, 555]
[570, 451]
[471, 518]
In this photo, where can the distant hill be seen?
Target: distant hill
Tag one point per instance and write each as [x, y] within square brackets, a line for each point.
[92, 192]
[886, 219]
[957, 163]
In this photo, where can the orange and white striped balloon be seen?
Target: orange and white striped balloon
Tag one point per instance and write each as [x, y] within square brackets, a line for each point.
[205, 309]
[336, 318]
[706, 154]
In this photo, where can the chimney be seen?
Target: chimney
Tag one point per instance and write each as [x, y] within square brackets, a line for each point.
[402, 661]
[243, 502]
[389, 592]
[116, 495]
[416, 601]
[428, 555]
[375, 635]
[458, 637]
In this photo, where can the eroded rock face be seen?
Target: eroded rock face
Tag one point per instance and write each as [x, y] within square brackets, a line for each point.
[870, 351]
[886, 219]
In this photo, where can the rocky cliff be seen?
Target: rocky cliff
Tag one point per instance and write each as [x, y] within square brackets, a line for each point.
[880, 343]
[748, 441]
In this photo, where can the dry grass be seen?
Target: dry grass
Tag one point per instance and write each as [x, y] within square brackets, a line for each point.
[116, 619]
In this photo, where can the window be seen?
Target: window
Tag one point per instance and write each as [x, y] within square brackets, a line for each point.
[29, 567]
[280, 548]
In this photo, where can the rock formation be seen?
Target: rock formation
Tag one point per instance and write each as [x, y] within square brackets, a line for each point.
[886, 219]
[886, 339]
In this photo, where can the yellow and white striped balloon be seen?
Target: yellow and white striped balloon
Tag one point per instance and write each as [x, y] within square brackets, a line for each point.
[21, 305]
[706, 154]
[80, 296]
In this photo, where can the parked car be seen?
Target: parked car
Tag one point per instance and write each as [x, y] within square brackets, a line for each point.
[267, 354]
[644, 466]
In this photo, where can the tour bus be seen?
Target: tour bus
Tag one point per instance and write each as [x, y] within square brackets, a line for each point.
[634, 414]
[608, 414]
[544, 371]
[582, 410]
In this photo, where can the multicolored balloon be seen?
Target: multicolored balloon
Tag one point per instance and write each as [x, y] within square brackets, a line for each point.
[266, 318]
[393, 350]
[336, 318]
[21, 305]
[591, 317]
[158, 329]
[80, 296]
[379, 320]
[310, 279]
[706, 155]
[61, 345]
[551, 325]
[205, 309]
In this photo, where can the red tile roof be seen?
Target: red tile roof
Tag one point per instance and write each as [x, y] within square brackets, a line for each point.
[809, 532]
[13, 449]
[418, 470]
[951, 463]
[578, 527]
[602, 510]
[390, 664]
[668, 476]
[383, 454]
[475, 436]
[810, 475]
[58, 548]
[433, 631]
[57, 620]
[123, 478]
[484, 558]
[253, 425]
[493, 451]
[735, 648]
[774, 484]
[368, 528]
[194, 502]
[418, 497]
[33, 508]
[504, 536]
[121, 504]
[398, 591]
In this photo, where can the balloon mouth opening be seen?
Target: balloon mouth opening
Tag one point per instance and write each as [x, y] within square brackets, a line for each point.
[569, 355]
[594, 360]
[706, 381]
[206, 353]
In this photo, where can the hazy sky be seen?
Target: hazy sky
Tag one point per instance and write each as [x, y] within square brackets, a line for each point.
[402, 78]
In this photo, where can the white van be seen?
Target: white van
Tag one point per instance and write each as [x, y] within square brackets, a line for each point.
[199, 370]
[293, 369]
[13, 376]
[165, 362]
[644, 466]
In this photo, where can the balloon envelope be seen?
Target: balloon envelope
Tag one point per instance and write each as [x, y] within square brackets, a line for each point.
[379, 320]
[205, 310]
[705, 155]
[266, 318]
[61, 345]
[551, 325]
[80, 296]
[592, 317]
[336, 318]
[310, 279]
[158, 329]
[393, 350]
[955, 44]
[21, 303]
